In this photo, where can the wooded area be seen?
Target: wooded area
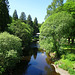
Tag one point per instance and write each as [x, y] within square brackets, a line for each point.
[57, 34]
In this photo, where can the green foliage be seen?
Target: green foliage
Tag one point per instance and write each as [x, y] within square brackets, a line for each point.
[69, 7]
[71, 57]
[9, 42]
[59, 28]
[70, 0]
[72, 71]
[1, 69]
[15, 16]
[4, 15]
[10, 50]
[55, 28]
[56, 62]
[46, 43]
[65, 64]
[51, 9]
[29, 21]
[35, 26]
[23, 16]
[21, 30]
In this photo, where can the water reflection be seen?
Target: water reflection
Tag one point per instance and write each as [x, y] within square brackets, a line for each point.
[34, 62]
[40, 65]
[50, 71]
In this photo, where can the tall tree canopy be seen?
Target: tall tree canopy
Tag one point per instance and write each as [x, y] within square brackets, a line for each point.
[29, 21]
[21, 30]
[51, 8]
[4, 14]
[54, 29]
[15, 16]
[35, 26]
[23, 16]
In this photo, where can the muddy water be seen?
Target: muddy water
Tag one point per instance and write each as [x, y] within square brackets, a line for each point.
[34, 62]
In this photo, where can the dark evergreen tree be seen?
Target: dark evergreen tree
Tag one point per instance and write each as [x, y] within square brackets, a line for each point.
[4, 14]
[29, 21]
[36, 29]
[23, 16]
[15, 16]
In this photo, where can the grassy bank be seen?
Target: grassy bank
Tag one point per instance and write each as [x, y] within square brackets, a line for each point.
[67, 60]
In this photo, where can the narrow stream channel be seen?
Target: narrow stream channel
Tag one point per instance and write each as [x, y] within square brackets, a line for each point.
[34, 62]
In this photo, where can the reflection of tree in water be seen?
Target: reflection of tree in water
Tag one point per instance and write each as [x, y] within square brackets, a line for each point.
[48, 59]
[50, 70]
[30, 52]
[22, 66]
[35, 53]
[19, 69]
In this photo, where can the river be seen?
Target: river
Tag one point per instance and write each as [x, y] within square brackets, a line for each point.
[34, 62]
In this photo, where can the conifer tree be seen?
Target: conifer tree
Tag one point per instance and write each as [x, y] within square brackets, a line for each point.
[4, 14]
[35, 26]
[29, 21]
[23, 16]
[15, 16]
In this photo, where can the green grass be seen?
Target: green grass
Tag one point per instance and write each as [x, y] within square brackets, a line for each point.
[67, 65]
[71, 71]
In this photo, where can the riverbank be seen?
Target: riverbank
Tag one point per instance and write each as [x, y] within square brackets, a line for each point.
[59, 70]
[64, 65]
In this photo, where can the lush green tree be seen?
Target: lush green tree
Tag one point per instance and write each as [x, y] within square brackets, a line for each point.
[51, 8]
[15, 16]
[35, 26]
[55, 28]
[4, 14]
[39, 25]
[23, 16]
[10, 51]
[70, 8]
[21, 30]
[29, 21]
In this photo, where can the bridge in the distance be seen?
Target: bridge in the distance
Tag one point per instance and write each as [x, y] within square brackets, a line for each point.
[36, 37]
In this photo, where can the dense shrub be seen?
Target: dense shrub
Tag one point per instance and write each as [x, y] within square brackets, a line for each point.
[46, 43]
[9, 42]
[65, 64]
[10, 50]
[71, 71]
[70, 57]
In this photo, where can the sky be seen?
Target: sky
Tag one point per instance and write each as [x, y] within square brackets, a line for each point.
[36, 8]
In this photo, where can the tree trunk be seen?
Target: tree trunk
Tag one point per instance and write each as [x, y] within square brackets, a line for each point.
[72, 40]
[56, 47]
[68, 40]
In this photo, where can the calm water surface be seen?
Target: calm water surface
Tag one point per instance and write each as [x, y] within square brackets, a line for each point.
[34, 62]
[40, 65]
